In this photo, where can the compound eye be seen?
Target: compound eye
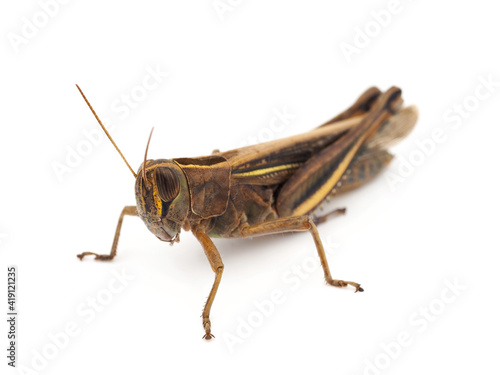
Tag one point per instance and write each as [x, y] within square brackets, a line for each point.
[167, 183]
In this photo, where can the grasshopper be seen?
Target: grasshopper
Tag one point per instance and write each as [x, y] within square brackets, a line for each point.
[274, 187]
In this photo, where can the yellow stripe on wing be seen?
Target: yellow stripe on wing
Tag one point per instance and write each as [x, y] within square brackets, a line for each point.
[264, 171]
[309, 204]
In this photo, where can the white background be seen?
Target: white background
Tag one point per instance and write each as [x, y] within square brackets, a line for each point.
[228, 74]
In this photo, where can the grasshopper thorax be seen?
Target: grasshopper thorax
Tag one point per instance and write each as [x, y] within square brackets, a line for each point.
[162, 195]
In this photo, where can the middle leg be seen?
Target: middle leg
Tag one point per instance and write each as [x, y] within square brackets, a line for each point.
[215, 261]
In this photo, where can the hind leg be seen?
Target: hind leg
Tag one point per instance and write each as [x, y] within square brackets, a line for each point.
[299, 224]
[360, 107]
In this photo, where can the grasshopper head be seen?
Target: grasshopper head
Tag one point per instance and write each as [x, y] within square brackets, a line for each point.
[161, 192]
[162, 196]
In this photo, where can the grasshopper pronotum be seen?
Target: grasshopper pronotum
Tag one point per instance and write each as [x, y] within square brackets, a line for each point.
[268, 188]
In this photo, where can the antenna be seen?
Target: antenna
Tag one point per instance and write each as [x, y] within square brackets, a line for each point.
[145, 157]
[105, 131]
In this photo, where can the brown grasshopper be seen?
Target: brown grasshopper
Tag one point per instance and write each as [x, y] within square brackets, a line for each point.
[269, 188]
